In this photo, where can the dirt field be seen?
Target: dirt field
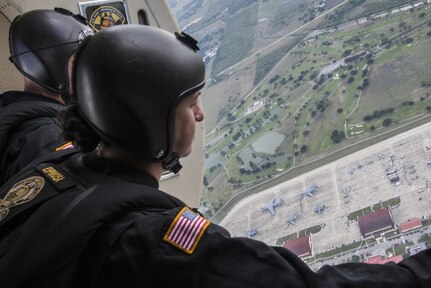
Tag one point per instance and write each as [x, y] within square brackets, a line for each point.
[344, 186]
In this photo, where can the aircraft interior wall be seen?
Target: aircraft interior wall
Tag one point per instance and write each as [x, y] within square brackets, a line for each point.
[188, 185]
[10, 79]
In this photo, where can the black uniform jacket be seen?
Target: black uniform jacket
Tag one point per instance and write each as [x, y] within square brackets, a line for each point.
[115, 234]
[28, 129]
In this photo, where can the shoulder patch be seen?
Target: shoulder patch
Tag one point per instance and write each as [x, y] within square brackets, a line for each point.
[22, 192]
[186, 230]
[56, 176]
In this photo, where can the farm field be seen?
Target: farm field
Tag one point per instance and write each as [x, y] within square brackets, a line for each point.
[289, 87]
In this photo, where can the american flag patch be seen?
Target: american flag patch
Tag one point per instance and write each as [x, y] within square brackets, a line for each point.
[186, 230]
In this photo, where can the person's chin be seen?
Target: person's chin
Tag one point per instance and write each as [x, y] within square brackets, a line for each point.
[182, 153]
[186, 153]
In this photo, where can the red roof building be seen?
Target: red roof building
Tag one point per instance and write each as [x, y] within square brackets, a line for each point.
[376, 223]
[301, 246]
[380, 260]
[410, 224]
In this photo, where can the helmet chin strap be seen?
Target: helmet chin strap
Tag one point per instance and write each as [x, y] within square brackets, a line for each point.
[172, 163]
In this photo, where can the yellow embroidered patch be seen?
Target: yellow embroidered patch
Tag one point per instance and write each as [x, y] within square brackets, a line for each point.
[186, 230]
[22, 192]
[53, 174]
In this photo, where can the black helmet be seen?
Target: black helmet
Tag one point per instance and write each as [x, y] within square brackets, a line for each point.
[41, 43]
[128, 81]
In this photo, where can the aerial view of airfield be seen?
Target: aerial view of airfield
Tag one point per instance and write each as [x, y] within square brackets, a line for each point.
[317, 124]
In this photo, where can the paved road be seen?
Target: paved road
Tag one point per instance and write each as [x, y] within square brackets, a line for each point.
[378, 249]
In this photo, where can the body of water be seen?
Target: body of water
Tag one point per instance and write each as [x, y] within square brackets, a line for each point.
[268, 143]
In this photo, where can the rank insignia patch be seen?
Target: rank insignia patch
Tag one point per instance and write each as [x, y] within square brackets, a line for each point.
[186, 230]
[22, 192]
[68, 145]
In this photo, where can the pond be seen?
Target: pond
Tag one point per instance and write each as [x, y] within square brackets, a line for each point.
[247, 157]
[268, 143]
[213, 160]
[277, 111]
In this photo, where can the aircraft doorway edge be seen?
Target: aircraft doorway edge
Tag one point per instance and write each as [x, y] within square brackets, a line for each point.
[187, 185]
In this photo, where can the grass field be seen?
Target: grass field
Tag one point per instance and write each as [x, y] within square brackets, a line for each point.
[238, 40]
[388, 70]
[361, 8]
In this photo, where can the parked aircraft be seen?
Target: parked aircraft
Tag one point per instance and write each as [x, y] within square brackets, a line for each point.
[292, 218]
[275, 202]
[319, 208]
[251, 233]
[310, 191]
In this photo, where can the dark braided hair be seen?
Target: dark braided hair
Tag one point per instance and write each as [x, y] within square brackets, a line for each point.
[76, 130]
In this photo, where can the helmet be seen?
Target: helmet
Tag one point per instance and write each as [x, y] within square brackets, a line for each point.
[128, 81]
[41, 43]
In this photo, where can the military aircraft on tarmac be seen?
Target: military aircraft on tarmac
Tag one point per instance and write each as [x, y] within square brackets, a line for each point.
[251, 233]
[275, 202]
[309, 192]
[319, 209]
[292, 218]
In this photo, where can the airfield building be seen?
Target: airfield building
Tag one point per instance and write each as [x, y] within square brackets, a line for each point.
[410, 224]
[381, 260]
[301, 246]
[376, 223]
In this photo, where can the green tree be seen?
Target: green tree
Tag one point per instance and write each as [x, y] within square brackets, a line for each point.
[337, 136]
[303, 148]
[387, 122]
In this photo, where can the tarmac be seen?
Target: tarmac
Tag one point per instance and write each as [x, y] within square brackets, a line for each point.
[356, 181]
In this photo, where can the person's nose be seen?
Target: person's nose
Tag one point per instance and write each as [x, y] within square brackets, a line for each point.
[199, 113]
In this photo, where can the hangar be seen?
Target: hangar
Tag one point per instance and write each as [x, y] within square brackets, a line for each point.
[301, 246]
[376, 223]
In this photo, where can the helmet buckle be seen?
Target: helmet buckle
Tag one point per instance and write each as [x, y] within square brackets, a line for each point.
[172, 163]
